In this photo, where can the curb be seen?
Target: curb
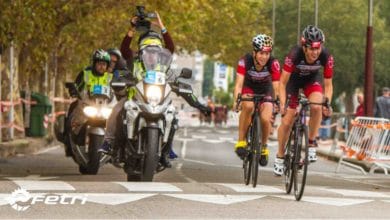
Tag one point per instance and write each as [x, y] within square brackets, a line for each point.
[27, 145]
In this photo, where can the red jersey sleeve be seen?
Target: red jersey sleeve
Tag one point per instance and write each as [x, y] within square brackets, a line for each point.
[275, 70]
[328, 69]
[288, 64]
[241, 67]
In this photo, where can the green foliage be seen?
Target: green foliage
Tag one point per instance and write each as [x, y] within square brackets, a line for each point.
[221, 29]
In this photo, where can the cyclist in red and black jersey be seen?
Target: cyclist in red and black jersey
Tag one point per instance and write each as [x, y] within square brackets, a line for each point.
[257, 73]
[301, 70]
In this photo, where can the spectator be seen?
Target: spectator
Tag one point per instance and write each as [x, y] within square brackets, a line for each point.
[382, 104]
[360, 109]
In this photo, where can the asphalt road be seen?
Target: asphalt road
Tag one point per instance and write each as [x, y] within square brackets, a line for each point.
[206, 181]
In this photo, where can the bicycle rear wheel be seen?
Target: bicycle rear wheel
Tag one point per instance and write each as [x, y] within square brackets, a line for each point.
[288, 158]
[255, 146]
[300, 162]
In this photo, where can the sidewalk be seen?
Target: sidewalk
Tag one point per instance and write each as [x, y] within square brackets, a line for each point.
[27, 145]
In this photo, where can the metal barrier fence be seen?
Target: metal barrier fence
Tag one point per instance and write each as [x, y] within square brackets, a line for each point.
[368, 141]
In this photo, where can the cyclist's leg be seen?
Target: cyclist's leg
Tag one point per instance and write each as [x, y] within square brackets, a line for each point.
[314, 94]
[265, 119]
[244, 122]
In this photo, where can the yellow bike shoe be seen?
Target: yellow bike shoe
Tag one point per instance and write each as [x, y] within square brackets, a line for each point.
[240, 149]
[264, 155]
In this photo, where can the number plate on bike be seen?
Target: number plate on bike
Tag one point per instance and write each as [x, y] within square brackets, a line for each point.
[154, 77]
[101, 90]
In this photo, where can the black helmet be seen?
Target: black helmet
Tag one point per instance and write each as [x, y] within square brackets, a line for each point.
[100, 55]
[312, 36]
[115, 51]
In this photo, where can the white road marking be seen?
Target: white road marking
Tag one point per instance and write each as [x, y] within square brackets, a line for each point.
[358, 193]
[112, 198]
[386, 201]
[327, 200]
[43, 185]
[184, 149]
[47, 150]
[199, 161]
[149, 187]
[258, 189]
[212, 141]
[198, 137]
[3, 198]
[216, 199]
[226, 139]
[36, 182]
[180, 173]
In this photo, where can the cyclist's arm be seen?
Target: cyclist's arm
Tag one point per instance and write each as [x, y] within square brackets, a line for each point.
[275, 85]
[282, 88]
[328, 84]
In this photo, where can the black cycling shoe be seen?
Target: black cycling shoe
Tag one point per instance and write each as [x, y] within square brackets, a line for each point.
[241, 152]
[264, 157]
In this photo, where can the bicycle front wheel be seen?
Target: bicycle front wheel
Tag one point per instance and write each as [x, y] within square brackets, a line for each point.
[248, 160]
[288, 164]
[255, 146]
[301, 162]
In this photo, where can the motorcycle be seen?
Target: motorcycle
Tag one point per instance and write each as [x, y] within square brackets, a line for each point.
[149, 118]
[85, 140]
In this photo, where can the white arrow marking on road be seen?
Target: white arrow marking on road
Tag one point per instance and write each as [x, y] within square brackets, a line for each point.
[358, 193]
[216, 199]
[149, 187]
[259, 189]
[328, 200]
[110, 198]
[35, 182]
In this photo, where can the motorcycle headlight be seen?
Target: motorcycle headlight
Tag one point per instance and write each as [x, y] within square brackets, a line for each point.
[90, 111]
[153, 94]
[106, 112]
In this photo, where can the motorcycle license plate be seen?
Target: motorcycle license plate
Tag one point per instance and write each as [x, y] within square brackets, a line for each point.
[154, 77]
[101, 90]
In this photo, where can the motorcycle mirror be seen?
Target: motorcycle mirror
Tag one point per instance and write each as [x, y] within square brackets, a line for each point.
[186, 73]
[70, 85]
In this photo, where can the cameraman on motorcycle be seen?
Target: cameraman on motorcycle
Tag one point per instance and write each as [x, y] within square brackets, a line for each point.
[92, 75]
[147, 40]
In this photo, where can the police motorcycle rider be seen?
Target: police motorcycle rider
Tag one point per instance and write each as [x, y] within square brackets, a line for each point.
[148, 40]
[96, 72]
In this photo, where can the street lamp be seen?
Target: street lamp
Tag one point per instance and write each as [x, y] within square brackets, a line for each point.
[369, 73]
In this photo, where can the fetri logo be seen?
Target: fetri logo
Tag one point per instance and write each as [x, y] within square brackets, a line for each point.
[21, 199]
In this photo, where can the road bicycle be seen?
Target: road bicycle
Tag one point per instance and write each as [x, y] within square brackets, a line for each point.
[296, 151]
[253, 135]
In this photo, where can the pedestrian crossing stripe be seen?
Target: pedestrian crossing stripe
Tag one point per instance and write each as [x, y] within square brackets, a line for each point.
[112, 198]
[216, 199]
[327, 200]
[359, 193]
[149, 187]
[241, 188]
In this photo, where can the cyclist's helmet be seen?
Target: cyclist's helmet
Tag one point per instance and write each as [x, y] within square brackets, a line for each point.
[262, 42]
[100, 55]
[115, 51]
[150, 38]
[312, 36]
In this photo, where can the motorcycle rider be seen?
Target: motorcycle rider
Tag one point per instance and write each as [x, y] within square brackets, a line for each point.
[115, 56]
[96, 74]
[147, 40]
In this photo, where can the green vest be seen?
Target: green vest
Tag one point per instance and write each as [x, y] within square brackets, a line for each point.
[90, 80]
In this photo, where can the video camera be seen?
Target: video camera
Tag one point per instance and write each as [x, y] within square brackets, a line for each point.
[142, 24]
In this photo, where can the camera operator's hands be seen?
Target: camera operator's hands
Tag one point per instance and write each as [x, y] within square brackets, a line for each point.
[159, 22]
[132, 30]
